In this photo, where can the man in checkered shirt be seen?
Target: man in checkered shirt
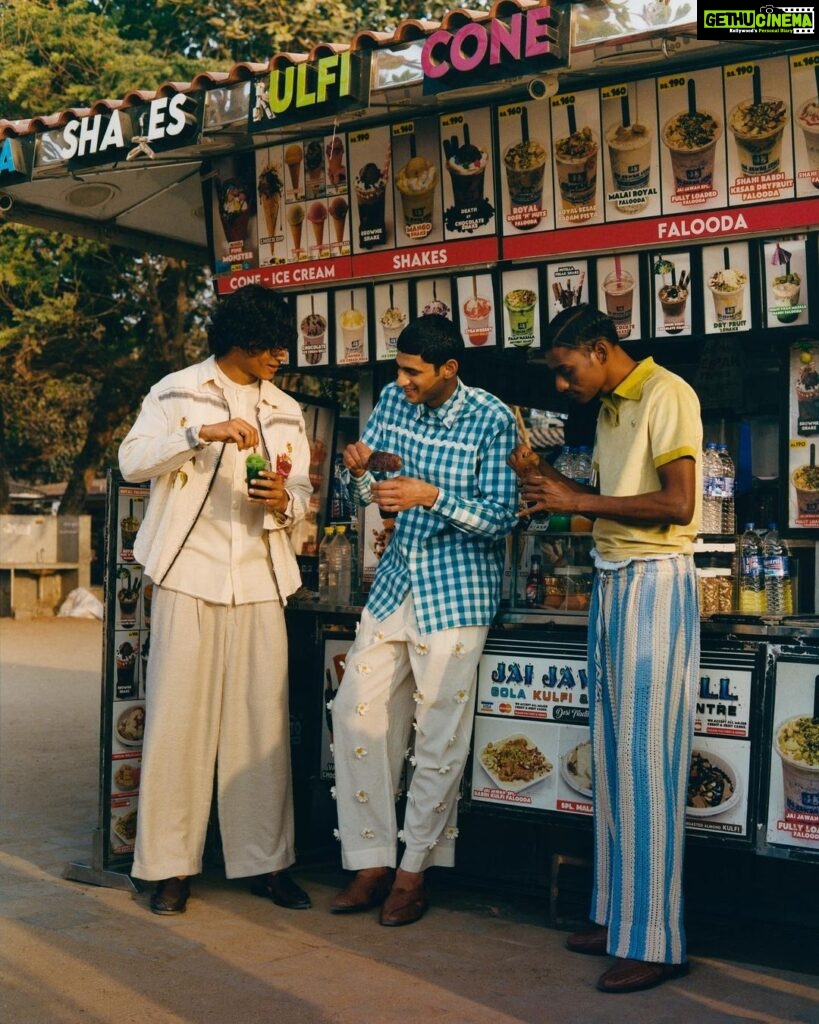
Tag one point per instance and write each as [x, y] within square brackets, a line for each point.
[413, 664]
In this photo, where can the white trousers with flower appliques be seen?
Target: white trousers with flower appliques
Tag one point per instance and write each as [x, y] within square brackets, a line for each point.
[395, 673]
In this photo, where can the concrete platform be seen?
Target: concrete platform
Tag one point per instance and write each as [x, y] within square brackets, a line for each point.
[72, 953]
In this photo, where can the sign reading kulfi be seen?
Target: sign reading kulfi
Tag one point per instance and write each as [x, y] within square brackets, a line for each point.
[294, 93]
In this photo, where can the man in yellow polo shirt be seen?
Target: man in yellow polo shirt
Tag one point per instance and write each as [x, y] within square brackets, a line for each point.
[643, 636]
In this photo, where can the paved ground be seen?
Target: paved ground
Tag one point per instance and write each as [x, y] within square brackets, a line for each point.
[71, 953]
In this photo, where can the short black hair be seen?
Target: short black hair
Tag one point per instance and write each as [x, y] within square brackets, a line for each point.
[579, 327]
[254, 319]
[434, 338]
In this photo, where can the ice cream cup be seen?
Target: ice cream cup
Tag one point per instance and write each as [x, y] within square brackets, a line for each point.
[808, 120]
[673, 299]
[619, 292]
[352, 333]
[525, 164]
[393, 321]
[800, 765]
[786, 291]
[758, 151]
[372, 230]
[520, 308]
[805, 480]
[728, 301]
[577, 178]
[630, 158]
[691, 165]
[418, 210]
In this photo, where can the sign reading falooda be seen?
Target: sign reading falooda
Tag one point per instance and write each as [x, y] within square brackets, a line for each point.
[749, 21]
[292, 93]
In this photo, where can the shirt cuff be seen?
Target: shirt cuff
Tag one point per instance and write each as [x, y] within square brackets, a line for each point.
[194, 440]
[443, 505]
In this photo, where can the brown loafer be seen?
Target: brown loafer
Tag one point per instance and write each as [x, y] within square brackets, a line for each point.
[280, 887]
[404, 906]
[636, 975]
[362, 893]
[171, 896]
[592, 941]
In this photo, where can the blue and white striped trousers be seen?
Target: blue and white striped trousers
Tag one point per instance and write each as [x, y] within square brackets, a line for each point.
[644, 646]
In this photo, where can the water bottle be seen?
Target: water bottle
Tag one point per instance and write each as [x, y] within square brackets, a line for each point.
[711, 490]
[729, 519]
[751, 579]
[324, 564]
[340, 568]
[583, 465]
[777, 572]
[534, 583]
[564, 463]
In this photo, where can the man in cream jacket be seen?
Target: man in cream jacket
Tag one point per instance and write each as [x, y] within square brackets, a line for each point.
[219, 556]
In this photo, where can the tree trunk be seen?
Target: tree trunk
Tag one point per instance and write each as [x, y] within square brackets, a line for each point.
[5, 496]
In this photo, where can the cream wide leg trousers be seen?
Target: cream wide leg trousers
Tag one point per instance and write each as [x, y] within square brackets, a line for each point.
[216, 691]
[394, 672]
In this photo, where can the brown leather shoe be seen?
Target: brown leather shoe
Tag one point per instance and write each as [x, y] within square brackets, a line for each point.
[171, 896]
[404, 906]
[636, 975]
[591, 940]
[362, 893]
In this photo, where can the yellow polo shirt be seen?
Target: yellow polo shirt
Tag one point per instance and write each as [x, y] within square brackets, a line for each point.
[651, 418]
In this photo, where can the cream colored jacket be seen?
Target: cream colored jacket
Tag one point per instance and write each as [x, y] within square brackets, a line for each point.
[163, 446]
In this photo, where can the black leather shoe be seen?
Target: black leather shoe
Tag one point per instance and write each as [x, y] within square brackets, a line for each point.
[171, 896]
[280, 887]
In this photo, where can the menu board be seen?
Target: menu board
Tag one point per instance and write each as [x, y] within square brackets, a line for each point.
[533, 699]
[618, 288]
[805, 98]
[128, 637]
[630, 155]
[793, 785]
[671, 275]
[521, 309]
[758, 132]
[725, 273]
[785, 282]
[391, 317]
[566, 285]
[477, 310]
[692, 156]
[803, 435]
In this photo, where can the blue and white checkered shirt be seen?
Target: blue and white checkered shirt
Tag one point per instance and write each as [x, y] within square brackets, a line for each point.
[450, 556]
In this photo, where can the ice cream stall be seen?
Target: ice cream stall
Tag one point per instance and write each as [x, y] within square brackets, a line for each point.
[496, 168]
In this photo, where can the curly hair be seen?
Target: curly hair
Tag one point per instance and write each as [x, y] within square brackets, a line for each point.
[579, 327]
[432, 337]
[255, 319]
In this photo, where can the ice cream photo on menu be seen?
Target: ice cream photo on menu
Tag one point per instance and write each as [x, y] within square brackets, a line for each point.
[469, 183]
[391, 306]
[311, 312]
[269, 185]
[576, 156]
[430, 296]
[672, 280]
[725, 272]
[630, 151]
